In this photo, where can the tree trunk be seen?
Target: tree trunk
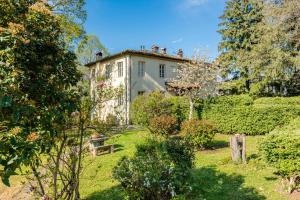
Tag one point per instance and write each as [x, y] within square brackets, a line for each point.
[291, 183]
[191, 108]
[238, 148]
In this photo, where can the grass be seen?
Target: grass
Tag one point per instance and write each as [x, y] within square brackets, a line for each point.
[215, 176]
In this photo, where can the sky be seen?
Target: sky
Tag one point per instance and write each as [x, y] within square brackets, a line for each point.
[127, 24]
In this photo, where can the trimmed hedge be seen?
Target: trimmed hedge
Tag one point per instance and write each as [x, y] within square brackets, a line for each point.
[242, 114]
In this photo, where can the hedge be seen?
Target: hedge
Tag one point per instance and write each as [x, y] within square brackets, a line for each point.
[242, 114]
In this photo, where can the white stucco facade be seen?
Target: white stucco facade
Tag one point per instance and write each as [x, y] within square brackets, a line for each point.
[154, 70]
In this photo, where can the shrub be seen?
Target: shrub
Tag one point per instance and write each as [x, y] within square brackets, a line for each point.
[179, 108]
[163, 125]
[281, 149]
[199, 132]
[158, 170]
[240, 114]
[147, 106]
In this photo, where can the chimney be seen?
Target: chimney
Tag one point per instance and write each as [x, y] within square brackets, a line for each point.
[180, 53]
[163, 50]
[142, 48]
[155, 48]
[99, 55]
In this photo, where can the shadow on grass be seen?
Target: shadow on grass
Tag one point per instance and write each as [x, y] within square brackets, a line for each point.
[211, 184]
[118, 147]
[253, 156]
[113, 193]
[218, 144]
[208, 184]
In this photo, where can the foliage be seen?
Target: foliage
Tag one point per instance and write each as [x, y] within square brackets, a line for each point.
[180, 108]
[87, 49]
[276, 57]
[281, 150]
[147, 106]
[196, 79]
[240, 114]
[72, 15]
[150, 105]
[163, 125]
[260, 47]
[199, 132]
[36, 75]
[158, 170]
[239, 32]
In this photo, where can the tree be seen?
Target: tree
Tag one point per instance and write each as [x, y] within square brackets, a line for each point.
[275, 59]
[196, 79]
[239, 32]
[87, 49]
[37, 72]
[72, 16]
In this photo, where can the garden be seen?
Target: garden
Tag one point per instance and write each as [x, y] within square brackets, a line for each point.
[227, 128]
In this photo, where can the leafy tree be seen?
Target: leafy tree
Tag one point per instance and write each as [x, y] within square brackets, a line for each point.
[87, 49]
[239, 32]
[36, 74]
[275, 60]
[196, 79]
[72, 16]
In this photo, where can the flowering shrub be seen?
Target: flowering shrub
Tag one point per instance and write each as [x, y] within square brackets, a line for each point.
[199, 132]
[158, 170]
[163, 125]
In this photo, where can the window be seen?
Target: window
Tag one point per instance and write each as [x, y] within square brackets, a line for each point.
[120, 100]
[162, 71]
[93, 74]
[141, 92]
[107, 71]
[120, 69]
[141, 68]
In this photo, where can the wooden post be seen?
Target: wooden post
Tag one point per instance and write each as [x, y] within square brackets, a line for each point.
[238, 148]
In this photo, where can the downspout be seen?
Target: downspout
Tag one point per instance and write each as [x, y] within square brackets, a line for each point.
[128, 90]
[128, 87]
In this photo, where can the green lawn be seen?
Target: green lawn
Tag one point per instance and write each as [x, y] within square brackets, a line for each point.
[215, 177]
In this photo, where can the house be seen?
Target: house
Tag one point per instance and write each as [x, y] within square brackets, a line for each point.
[137, 72]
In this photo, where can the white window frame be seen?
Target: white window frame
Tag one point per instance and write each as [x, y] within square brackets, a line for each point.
[141, 68]
[108, 71]
[120, 69]
[162, 71]
[120, 100]
[93, 73]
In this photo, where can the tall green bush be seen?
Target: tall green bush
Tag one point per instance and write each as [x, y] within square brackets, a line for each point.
[157, 171]
[199, 132]
[148, 106]
[163, 125]
[241, 114]
[281, 149]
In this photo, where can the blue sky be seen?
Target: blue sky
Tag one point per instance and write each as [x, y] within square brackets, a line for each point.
[128, 24]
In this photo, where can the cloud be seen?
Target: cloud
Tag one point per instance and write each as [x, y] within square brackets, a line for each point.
[193, 3]
[177, 41]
